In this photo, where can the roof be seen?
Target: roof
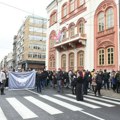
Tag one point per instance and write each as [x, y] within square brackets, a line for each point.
[51, 3]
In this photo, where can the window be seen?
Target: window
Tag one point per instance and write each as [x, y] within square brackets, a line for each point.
[81, 2]
[109, 18]
[72, 5]
[81, 59]
[52, 43]
[50, 63]
[64, 34]
[72, 31]
[63, 61]
[101, 56]
[53, 63]
[101, 22]
[53, 18]
[81, 27]
[37, 29]
[65, 10]
[34, 37]
[71, 60]
[36, 55]
[30, 55]
[110, 56]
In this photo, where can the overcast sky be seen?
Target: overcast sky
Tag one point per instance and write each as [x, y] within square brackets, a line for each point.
[11, 19]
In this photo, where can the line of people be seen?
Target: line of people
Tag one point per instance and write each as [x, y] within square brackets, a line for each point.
[79, 82]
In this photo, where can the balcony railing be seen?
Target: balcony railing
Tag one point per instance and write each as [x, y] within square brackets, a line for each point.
[74, 37]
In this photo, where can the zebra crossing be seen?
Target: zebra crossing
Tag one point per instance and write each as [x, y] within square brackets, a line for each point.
[66, 101]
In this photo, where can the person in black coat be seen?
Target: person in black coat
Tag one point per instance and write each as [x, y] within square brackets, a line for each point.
[39, 80]
[59, 77]
[79, 86]
[99, 79]
[106, 77]
[73, 84]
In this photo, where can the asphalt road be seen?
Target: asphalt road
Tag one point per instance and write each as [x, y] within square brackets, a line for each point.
[50, 105]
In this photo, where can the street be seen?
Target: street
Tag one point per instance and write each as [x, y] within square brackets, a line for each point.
[50, 105]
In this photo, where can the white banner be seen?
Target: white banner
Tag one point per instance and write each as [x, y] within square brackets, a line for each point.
[21, 80]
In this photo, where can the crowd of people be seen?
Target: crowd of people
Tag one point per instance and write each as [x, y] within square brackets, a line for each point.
[80, 82]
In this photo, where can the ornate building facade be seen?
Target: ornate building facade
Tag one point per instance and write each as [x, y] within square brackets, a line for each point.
[83, 34]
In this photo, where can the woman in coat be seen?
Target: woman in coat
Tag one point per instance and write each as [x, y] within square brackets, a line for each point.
[79, 86]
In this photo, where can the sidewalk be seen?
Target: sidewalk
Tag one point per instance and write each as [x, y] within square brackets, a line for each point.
[110, 93]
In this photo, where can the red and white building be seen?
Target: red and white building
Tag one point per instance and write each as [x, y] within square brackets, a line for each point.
[83, 34]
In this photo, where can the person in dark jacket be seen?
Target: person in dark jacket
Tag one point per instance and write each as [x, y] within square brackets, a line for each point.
[54, 81]
[106, 77]
[45, 76]
[59, 77]
[117, 77]
[39, 80]
[79, 86]
[99, 79]
[86, 80]
[73, 84]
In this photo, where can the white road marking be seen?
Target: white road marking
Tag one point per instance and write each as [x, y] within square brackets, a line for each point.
[51, 110]
[107, 97]
[111, 98]
[2, 115]
[23, 111]
[79, 102]
[102, 99]
[61, 103]
[94, 101]
[78, 110]
[92, 115]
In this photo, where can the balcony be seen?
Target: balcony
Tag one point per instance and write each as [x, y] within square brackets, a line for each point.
[71, 41]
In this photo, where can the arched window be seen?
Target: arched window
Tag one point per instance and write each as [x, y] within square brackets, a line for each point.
[81, 59]
[64, 34]
[101, 22]
[52, 40]
[51, 63]
[101, 56]
[53, 17]
[72, 5]
[72, 31]
[52, 43]
[71, 60]
[81, 27]
[64, 10]
[63, 61]
[110, 56]
[109, 18]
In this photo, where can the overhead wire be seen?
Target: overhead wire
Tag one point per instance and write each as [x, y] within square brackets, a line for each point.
[3, 3]
[57, 12]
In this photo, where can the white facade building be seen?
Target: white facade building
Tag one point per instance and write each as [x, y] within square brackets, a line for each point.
[83, 34]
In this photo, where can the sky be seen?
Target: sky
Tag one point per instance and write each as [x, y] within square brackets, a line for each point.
[12, 15]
